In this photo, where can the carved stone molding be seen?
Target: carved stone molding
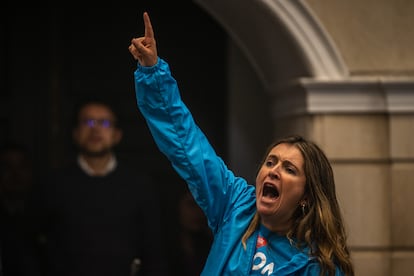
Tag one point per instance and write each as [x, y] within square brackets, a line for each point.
[351, 95]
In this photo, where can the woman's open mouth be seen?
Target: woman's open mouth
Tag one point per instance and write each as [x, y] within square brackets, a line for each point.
[270, 191]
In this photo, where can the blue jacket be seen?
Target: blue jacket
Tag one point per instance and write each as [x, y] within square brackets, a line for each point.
[228, 201]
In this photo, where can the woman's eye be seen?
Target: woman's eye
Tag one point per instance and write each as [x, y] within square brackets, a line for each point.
[290, 170]
[269, 163]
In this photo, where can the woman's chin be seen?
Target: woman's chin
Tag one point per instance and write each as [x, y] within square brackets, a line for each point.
[265, 210]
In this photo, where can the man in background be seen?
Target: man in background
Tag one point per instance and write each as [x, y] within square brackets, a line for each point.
[98, 216]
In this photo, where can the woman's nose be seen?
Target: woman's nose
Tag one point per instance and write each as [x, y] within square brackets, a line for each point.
[274, 172]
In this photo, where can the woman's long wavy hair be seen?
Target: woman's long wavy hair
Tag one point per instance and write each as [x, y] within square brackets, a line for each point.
[321, 226]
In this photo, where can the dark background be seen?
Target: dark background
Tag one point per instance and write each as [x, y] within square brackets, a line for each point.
[53, 55]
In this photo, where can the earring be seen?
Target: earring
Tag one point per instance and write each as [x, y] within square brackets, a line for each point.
[303, 205]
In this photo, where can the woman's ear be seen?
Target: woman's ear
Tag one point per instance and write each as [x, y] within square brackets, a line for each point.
[304, 199]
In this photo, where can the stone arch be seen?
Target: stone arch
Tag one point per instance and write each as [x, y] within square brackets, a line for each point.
[281, 39]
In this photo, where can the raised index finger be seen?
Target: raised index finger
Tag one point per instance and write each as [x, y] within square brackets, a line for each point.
[148, 27]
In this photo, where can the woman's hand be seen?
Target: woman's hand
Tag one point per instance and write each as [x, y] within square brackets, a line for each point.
[144, 49]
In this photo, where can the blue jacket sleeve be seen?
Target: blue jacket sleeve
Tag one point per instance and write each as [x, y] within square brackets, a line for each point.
[177, 136]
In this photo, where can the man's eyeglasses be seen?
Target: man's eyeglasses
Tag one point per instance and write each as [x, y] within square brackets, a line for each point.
[105, 123]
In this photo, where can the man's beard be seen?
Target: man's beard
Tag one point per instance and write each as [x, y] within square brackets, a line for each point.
[90, 153]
